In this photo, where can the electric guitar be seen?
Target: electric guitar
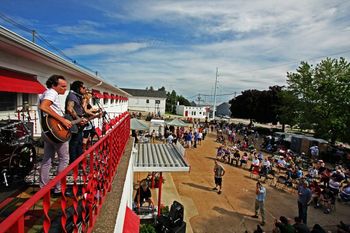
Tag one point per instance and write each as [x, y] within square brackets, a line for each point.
[57, 132]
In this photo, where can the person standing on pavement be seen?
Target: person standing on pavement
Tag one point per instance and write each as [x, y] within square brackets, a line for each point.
[219, 172]
[260, 202]
[304, 198]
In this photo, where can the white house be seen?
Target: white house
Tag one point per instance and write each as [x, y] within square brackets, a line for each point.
[24, 69]
[198, 112]
[146, 100]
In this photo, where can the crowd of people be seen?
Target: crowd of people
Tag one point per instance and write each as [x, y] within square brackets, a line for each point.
[315, 183]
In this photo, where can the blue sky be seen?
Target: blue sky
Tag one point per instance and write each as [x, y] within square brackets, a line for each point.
[179, 43]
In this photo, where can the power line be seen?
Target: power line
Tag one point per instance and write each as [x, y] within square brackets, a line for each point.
[35, 34]
[11, 21]
[218, 94]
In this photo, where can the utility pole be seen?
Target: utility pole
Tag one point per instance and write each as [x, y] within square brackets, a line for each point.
[216, 82]
[33, 36]
[199, 99]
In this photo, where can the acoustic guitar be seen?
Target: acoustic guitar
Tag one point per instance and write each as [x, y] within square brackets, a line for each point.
[57, 132]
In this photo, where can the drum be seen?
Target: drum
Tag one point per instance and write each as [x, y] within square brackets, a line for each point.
[13, 132]
[16, 162]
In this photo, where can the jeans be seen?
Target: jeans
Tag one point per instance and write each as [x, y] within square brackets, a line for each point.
[302, 212]
[75, 146]
[50, 148]
[260, 205]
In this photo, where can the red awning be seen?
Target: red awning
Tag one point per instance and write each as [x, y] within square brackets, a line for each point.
[97, 94]
[18, 82]
[131, 222]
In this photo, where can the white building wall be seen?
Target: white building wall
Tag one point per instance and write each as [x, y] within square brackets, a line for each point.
[137, 103]
[180, 110]
[43, 72]
[126, 198]
[192, 112]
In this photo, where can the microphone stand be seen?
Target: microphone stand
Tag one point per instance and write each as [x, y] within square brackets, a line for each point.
[105, 116]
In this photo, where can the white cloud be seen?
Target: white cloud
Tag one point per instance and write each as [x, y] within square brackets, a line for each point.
[104, 49]
[84, 27]
[254, 43]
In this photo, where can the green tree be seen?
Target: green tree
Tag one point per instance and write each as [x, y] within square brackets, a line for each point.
[260, 106]
[286, 110]
[161, 89]
[323, 95]
[171, 101]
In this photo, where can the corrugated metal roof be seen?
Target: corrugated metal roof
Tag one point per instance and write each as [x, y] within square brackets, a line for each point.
[150, 157]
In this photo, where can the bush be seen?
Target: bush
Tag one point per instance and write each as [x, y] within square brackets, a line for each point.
[164, 210]
[147, 228]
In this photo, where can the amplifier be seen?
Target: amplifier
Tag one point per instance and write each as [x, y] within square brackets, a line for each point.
[176, 213]
[164, 228]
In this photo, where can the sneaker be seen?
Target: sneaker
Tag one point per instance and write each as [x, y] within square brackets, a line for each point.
[327, 211]
[255, 216]
[219, 192]
[215, 188]
[59, 194]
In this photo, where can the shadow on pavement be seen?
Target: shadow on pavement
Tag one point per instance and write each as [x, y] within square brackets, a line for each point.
[198, 186]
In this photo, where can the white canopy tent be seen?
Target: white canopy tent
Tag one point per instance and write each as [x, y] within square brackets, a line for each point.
[137, 124]
[177, 122]
[159, 158]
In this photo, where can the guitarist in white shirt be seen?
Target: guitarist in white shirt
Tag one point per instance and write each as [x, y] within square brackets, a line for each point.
[49, 104]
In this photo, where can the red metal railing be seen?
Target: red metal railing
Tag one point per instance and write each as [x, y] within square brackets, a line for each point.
[92, 174]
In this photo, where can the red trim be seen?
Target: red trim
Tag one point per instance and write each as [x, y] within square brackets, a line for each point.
[97, 94]
[106, 95]
[131, 222]
[20, 83]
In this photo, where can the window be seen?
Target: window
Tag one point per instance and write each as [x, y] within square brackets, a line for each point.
[147, 101]
[8, 101]
[105, 98]
[112, 98]
[25, 98]
[157, 101]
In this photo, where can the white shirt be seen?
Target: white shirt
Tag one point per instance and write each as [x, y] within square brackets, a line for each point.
[170, 139]
[200, 135]
[52, 95]
[267, 163]
[256, 162]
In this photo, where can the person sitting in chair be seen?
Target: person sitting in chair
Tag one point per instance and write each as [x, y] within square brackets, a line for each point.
[328, 199]
[344, 194]
[143, 195]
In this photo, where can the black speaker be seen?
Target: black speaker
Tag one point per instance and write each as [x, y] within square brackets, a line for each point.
[176, 213]
[164, 226]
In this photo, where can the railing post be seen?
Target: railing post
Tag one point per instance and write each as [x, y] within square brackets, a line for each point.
[160, 191]
[18, 227]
